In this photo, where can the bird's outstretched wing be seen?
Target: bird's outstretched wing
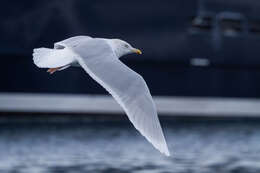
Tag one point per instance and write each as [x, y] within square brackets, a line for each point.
[126, 86]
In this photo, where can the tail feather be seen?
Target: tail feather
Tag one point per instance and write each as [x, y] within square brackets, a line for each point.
[52, 58]
[40, 56]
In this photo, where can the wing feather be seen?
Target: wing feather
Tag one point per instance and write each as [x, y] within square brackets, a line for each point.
[126, 86]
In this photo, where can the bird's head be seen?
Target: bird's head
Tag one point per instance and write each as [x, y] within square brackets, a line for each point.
[122, 48]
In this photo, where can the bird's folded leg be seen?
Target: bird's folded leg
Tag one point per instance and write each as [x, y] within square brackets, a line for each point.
[53, 70]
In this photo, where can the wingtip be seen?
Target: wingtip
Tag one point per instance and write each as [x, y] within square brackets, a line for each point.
[167, 153]
[163, 148]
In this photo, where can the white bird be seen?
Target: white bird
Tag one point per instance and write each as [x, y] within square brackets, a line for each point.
[100, 59]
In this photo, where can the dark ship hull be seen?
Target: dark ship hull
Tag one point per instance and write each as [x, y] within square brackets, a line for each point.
[198, 48]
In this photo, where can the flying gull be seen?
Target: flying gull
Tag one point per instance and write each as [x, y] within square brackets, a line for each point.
[99, 57]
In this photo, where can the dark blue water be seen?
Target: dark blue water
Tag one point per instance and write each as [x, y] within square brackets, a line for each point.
[115, 147]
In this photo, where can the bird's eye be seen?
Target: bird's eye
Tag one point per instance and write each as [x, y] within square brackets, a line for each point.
[126, 46]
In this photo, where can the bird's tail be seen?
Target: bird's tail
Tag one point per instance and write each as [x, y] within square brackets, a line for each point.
[52, 58]
[40, 57]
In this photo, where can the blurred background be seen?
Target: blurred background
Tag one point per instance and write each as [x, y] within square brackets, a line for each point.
[200, 61]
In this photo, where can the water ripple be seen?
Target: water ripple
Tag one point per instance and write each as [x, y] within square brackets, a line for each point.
[116, 147]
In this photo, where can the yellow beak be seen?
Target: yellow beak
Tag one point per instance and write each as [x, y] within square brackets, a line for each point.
[137, 51]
